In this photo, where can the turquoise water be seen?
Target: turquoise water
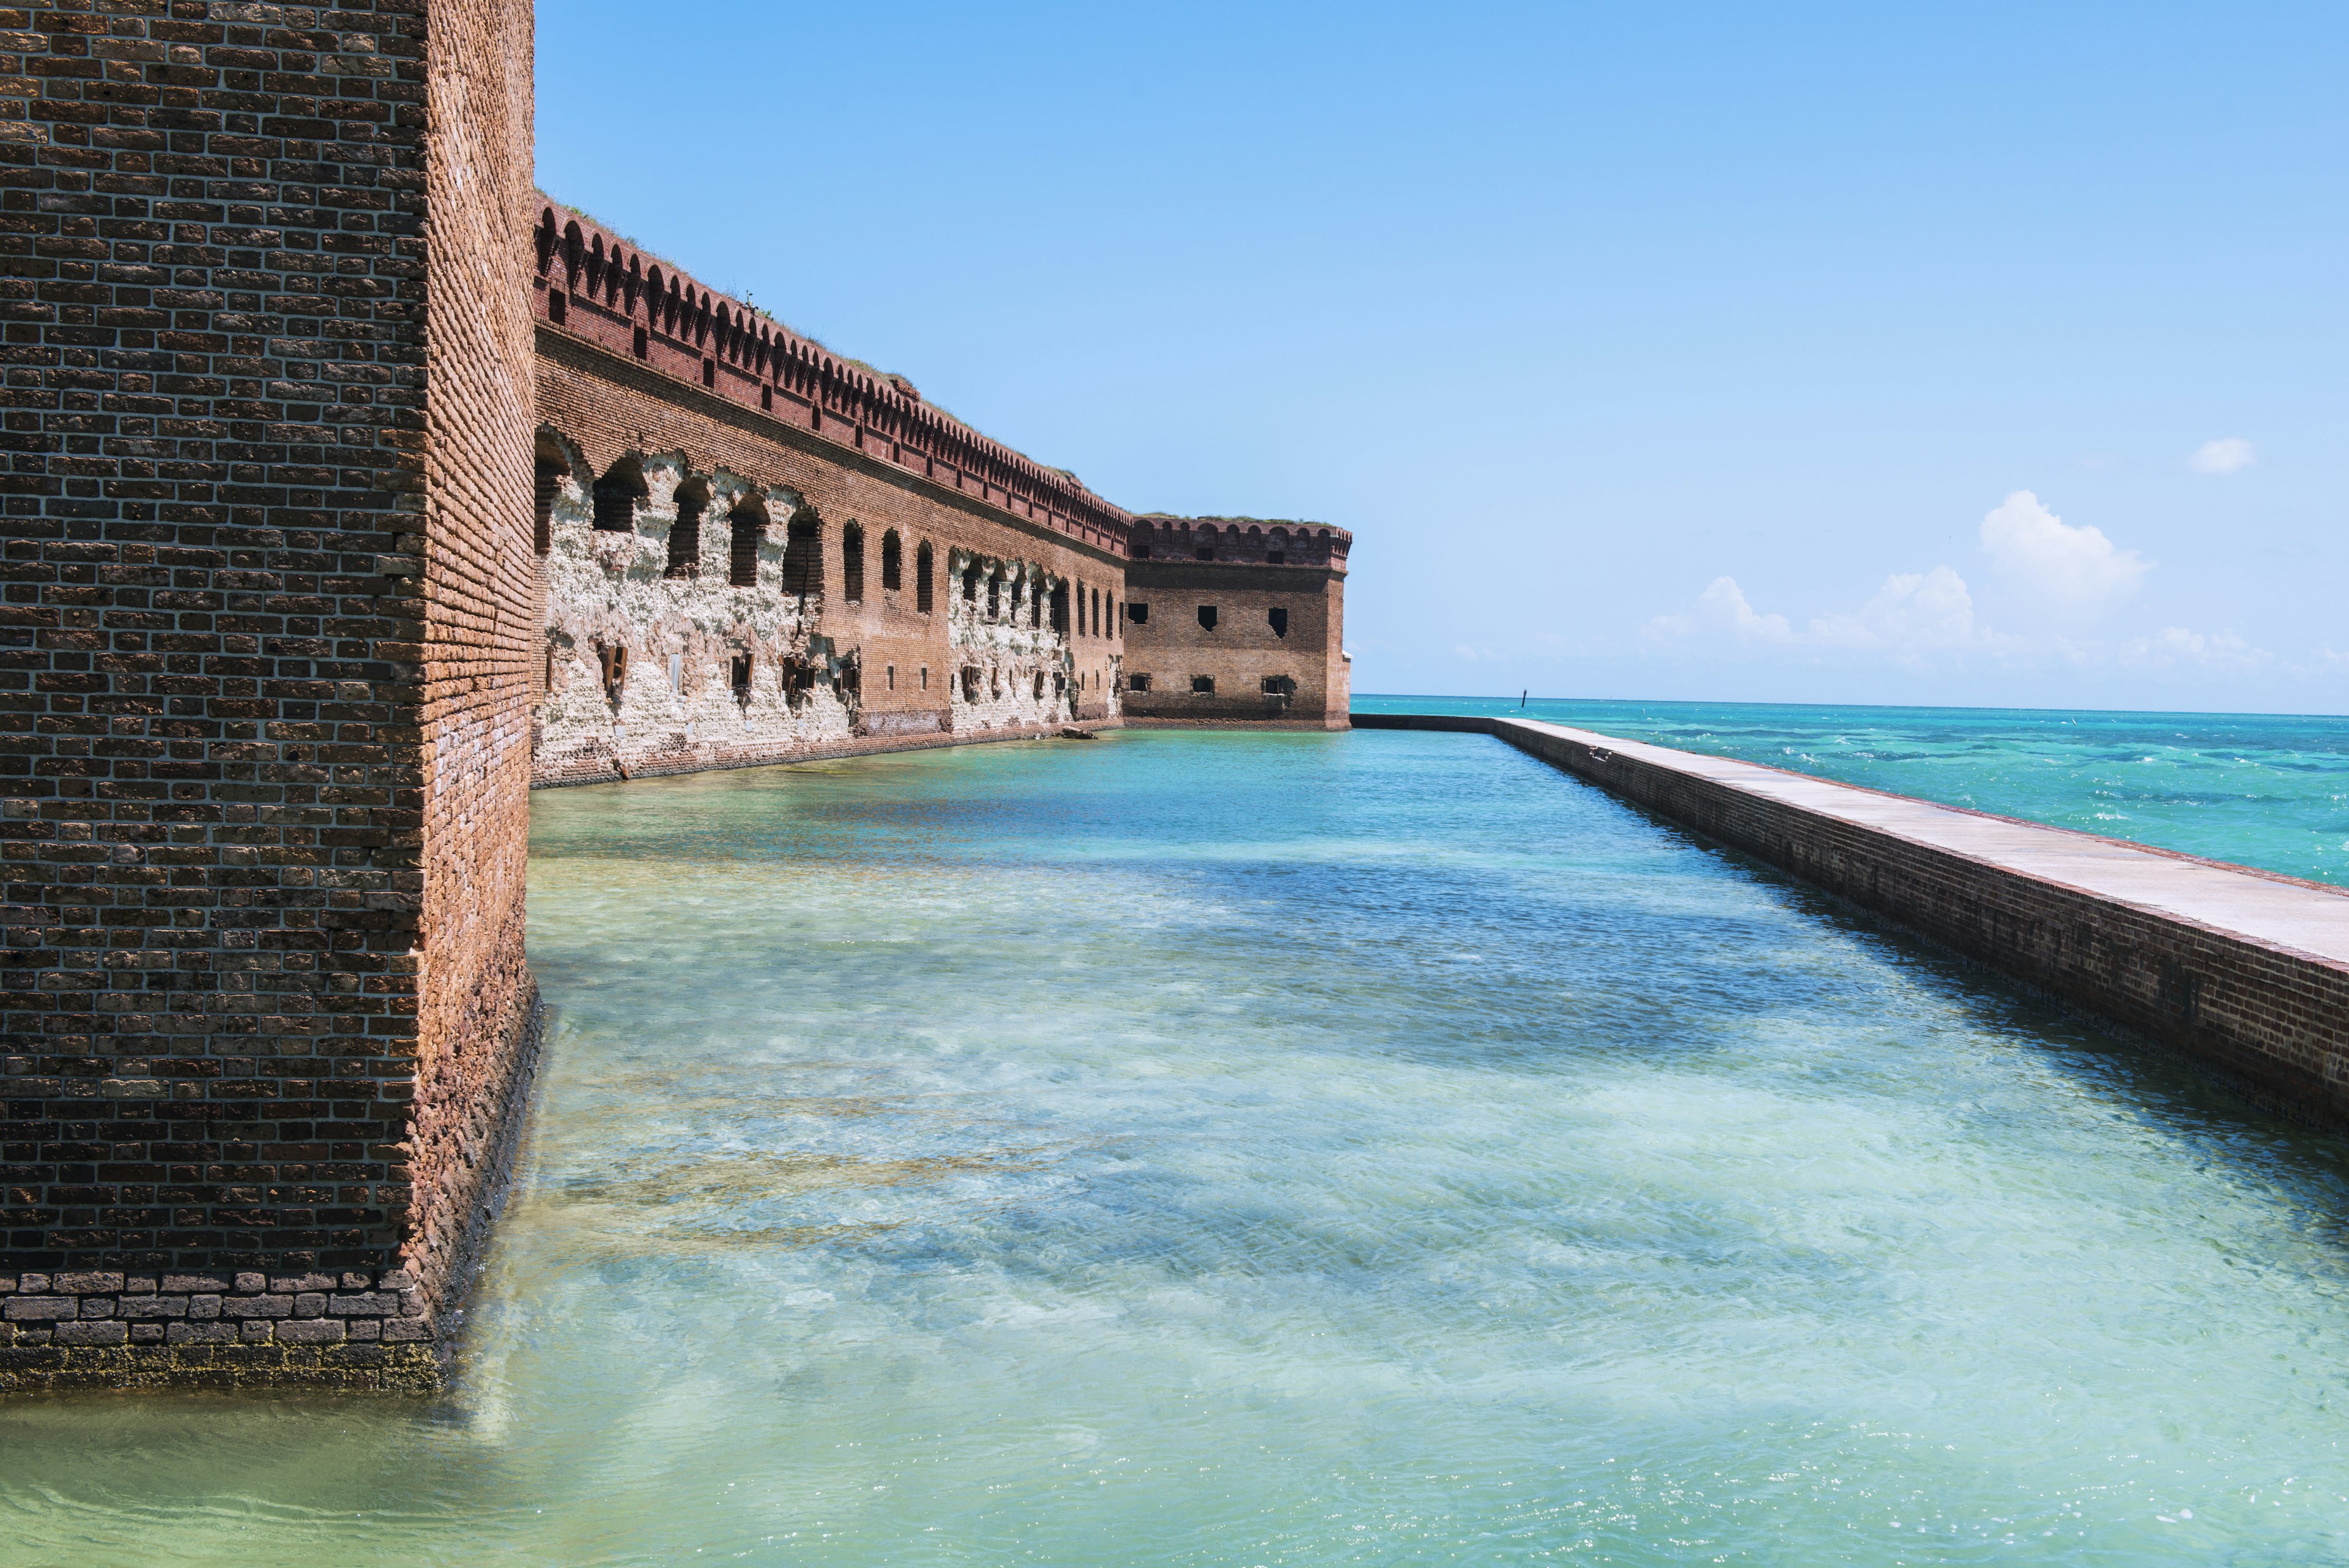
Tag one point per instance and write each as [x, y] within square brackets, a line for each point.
[2266, 790]
[1286, 1150]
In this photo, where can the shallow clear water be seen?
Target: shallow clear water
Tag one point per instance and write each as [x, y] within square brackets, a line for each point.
[2258, 789]
[1235, 1149]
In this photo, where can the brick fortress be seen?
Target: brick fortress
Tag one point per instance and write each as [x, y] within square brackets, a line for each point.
[352, 489]
[752, 550]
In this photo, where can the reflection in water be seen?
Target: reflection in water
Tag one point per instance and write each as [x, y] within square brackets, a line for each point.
[1214, 1149]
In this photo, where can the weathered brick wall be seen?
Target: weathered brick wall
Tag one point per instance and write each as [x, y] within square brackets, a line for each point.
[1248, 572]
[234, 715]
[2274, 1019]
[828, 674]
[476, 1025]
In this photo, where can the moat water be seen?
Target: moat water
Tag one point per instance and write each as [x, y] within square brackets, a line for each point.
[1259, 1149]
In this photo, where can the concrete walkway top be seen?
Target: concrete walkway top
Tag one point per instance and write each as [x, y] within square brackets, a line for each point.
[2307, 918]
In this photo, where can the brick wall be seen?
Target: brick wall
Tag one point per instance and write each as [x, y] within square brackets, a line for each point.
[256, 675]
[2274, 1018]
[1276, 651]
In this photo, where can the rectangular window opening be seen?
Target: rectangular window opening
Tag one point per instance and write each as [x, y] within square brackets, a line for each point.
[1203, 686]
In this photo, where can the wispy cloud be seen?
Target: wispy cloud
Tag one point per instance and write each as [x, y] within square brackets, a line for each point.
[1912, 612]
[1921, 619]
[2174, 645]
[2224, 455]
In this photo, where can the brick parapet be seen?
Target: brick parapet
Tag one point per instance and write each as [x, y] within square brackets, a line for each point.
[1159, 536]
[593, 285]
[2271, 1013]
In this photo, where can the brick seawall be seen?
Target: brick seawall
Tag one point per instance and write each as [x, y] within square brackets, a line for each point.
[2243, 970]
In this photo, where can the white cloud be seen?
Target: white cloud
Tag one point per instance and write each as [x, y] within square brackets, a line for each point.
[2224, 455]
[2077, 568]
[1911, 610]
[1724, 604]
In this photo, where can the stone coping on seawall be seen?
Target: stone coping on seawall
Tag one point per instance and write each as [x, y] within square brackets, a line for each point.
[2243, 969]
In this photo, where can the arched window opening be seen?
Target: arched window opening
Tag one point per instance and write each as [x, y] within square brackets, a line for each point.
[995, 595]
[615, 660]
[1275, 547]
[1061, 608]
[1206, 543]
[970, 584]
[1097, 620]
[553, 469]
[617, 494]
[750, 520]
[739, 677]
[685, 533]
[803, 557]
[1035, 602]
[923, 560]
[550, 484]
[1060, 683]
[893, 561]
[970, 683]
[852, 562]
[1040, 686]
[1278, 616]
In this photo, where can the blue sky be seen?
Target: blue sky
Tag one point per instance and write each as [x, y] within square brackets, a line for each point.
[1991, 353]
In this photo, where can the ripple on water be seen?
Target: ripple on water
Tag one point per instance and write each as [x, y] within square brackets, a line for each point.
[1228, 1149]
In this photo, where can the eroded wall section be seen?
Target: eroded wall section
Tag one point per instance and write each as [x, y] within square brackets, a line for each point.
[752, 552]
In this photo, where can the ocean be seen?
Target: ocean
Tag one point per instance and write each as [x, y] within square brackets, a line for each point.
[2264, 789]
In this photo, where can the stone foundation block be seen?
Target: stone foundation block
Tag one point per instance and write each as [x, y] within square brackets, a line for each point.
[88, 1285]
[104, 1332]
[34, 1309]
[314, 1331]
